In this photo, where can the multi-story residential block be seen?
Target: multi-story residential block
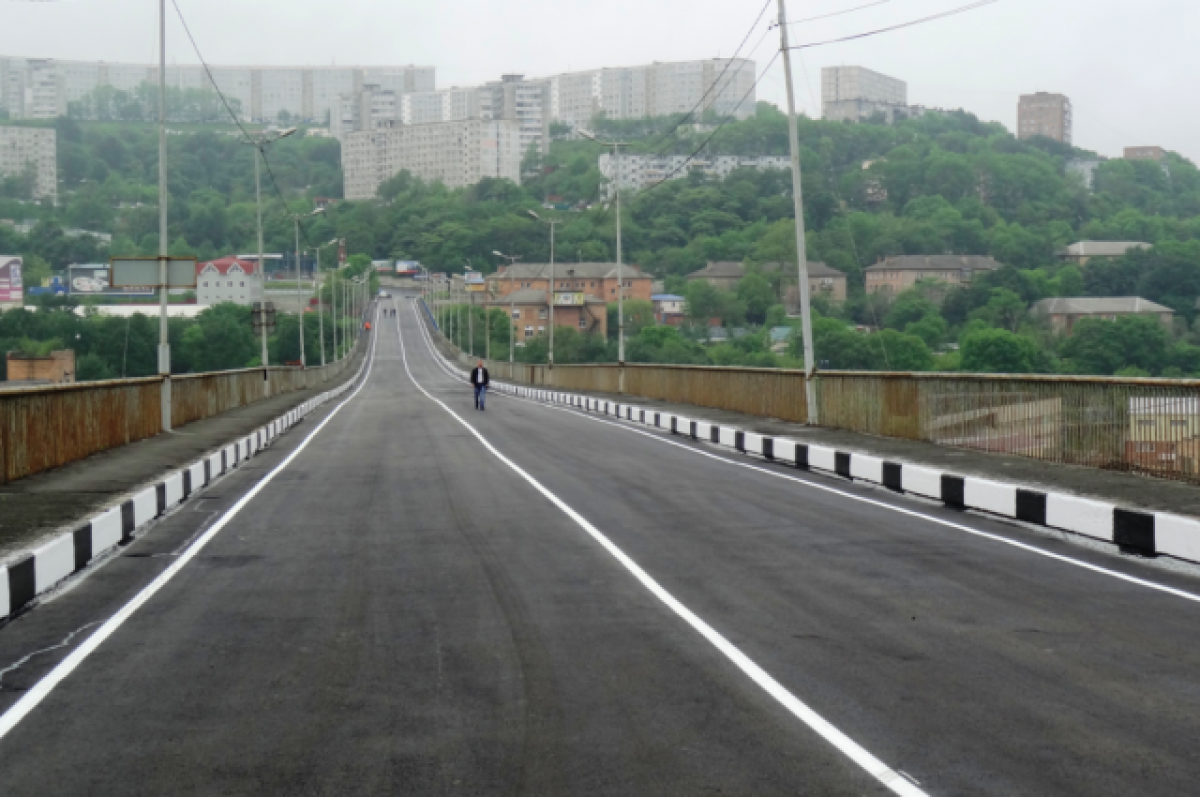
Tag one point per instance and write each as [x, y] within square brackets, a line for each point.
[456, 154]
[1081, 252]
[722, 85]
[641, 171]
[228, 279]
[591, 279]
[530, 311]
[36, 148]
[894, 274]
[1044, 114]
[1065, 313]
[42, 88]
[526, 102]
[1145, 153]
[855, 93]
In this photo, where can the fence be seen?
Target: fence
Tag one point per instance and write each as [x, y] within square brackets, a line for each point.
[47, 427]
[1149, 426]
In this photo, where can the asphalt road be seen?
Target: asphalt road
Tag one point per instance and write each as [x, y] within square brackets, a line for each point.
[401, 611]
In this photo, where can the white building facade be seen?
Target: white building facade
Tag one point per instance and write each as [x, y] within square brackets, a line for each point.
[457, 154]
[722, 85]
[642, 171]
[229, 279]
[854, 93]
[32, 88]
[24, 147]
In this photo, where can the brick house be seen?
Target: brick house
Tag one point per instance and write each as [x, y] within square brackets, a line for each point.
[57, 368]
[1065, 313]
[894, 274]
[598, 280]
[530, 310]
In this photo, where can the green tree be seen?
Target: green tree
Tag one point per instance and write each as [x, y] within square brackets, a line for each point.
[998, 351]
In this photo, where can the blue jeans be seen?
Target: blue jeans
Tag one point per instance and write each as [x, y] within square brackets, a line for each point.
[480, 395]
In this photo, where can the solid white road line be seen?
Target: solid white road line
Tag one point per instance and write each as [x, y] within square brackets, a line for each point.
[876, 768]
[1141, 582]
[30, 700]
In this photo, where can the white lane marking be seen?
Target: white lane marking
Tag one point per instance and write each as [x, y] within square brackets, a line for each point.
[30, 700]
[1179, 593]
[859, 755]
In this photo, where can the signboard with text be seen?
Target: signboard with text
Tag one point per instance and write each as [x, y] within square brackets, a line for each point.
[145, 272]
[11, 287]
[569, 299]
[92, 280]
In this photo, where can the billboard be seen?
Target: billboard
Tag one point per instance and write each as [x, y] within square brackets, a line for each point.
[145, 272]
[11, 286]
[92, 280]
[569, 299]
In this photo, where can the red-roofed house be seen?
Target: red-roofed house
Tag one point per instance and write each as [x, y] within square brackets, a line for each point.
[228, 279]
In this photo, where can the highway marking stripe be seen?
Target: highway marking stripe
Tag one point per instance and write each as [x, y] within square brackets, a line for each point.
[30, 700]
[859, 755]
[1154, 585]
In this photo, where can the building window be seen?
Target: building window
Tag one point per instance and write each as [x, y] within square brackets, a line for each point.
[516, 314]
[529, 332]
[541, 330]
[582, 322]
[542, 313]
[613, 291]
[241, 285]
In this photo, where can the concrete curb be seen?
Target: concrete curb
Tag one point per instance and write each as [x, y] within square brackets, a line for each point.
[1135, 531]
[43, 569]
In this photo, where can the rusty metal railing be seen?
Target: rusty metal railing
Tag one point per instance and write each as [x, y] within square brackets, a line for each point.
[49, 426]
[1148, 426]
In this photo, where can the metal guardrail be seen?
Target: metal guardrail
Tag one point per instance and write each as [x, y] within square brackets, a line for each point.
[1148, 426]
[50, 426]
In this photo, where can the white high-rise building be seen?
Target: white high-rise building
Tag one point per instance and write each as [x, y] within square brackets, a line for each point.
[722, 85]
[854, 93]
[36, 147]
[42, 88]
[457, 154]
[642, 171]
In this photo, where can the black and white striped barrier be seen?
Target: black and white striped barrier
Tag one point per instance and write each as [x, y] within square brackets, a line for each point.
[41, 570]
[1134, 530]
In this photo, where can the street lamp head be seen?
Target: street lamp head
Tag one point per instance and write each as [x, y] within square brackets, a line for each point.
[498, 253]
[536, 216]
[284, 133]
[587, 135]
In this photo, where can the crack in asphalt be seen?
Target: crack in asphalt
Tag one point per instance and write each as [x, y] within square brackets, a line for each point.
[28, 657]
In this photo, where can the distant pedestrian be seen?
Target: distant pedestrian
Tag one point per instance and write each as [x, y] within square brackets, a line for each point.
[480, 380]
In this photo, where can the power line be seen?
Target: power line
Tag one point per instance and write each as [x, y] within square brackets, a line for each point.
[208, 72]
[923, 20]
[838, 13]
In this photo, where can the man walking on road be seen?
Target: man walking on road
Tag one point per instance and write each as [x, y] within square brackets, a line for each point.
[479, 378]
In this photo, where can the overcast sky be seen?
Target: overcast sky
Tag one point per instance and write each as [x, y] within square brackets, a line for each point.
[1129, 68]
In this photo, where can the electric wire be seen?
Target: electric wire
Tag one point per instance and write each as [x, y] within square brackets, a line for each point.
[838, 13]
[902, 25]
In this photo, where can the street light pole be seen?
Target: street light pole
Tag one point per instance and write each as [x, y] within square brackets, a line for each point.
[259, 144]
[616, 148]
[164, 243]
[810, 388]
[551, 223]
[296, 223]
[512, 329]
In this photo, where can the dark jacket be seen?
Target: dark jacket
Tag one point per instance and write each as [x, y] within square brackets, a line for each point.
[475, 380]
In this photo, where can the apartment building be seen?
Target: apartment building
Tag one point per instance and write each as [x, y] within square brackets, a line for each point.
[641, 171]
[572, 279]
[1044, 114]
[1065, 313]
[894, 274]
[526, 102]
[530, 312]
[23, 147]
[855, 93]
[456, 154]
[722, 85]
[1145, 153]
[33, 88]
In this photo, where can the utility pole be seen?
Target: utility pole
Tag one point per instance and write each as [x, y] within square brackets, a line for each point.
[551, 223]
[296, 224]
[616, 148]
[512, 329]
[259, 145]
[810, 388]
[164, 242]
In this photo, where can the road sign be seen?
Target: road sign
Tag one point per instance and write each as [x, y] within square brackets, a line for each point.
[143, 272]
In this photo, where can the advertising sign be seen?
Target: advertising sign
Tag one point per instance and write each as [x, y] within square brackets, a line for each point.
[144, 272]
[92, 280]
[11, 287]
[569, 299]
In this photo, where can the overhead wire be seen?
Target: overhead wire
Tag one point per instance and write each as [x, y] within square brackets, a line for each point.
[838, 13]
[901, 26]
